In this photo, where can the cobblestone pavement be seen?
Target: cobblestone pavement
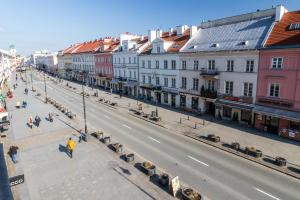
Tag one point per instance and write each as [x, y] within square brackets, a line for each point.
[94, 172]
[270, 144]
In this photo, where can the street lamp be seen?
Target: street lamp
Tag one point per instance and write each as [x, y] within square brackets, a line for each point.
[83, 74]
[31, 79]
[26, 77]
[44, 67]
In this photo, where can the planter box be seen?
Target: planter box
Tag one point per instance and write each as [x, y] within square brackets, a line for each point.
[213, 138]
[106, 140]
[280, 161]
[118, 148]
[129, 157]
[190, 194]
[235, 145]
[164, 179]
[148, 168]
[253, 152]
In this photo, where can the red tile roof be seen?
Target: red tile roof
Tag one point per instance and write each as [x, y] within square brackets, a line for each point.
[178, 41]
[281, 35]
[72, 48]
[89, 47]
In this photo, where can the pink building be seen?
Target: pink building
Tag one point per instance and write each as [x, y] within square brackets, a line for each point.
[277, 107]
[104, 62]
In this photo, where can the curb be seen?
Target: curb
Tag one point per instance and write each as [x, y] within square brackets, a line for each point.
[245, 157]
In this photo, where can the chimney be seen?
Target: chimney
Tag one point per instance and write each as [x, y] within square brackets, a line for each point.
[158, 33]
[151, 35]
[193, 31]
[280, 10]
[181, 29]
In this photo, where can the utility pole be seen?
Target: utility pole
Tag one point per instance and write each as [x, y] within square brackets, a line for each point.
[45, 85]
[83, 99]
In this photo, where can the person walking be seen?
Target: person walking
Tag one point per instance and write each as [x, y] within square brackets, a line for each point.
[37, 120]
[13, 150]
[30, 122]
[71, 147]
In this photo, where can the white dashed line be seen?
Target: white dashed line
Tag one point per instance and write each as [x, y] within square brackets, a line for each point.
[151, 138]
[107, 117]
[203, 163]
[126, 126]
[269, 195]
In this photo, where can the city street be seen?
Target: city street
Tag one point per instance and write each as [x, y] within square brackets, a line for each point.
[214, 173]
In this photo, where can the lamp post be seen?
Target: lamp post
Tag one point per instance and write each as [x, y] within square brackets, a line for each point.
[31, 79]
[26, 77]
[83, 73]
[44, 67]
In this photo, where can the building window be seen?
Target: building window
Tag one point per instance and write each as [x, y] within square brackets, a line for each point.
[144, 80]
[134, 60]
[211, 85]
[274, 90]
[157, 64]
[250, 66]
[184, 64]
[129, 60]
[195, 83]
[165, 97]
[149, 79]
[196, 64]
[129, 74]
[143, 63]
[165, 64]
[229, 87]
[119, 60]
[157, 80]
[183, 82]
[173, 83]
[134, 74]
[158, 49]
[119, 72]
[123, 59]
[276, 63]
[173, 64]
[230, 65]
[149, 63]
[211, 64]
[248, 88]
[166, 82]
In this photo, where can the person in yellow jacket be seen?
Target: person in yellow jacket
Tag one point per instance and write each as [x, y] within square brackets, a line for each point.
[71, 146]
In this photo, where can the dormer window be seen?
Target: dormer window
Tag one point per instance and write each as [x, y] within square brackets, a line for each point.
[158, 49]
[244, 43]
[215, 45]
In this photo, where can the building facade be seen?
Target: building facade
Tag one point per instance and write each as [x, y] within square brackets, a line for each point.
[125, 64]
[159, 65]
[221, 60]
[104, 62]
[277, 107]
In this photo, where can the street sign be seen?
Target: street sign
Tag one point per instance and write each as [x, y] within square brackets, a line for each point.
[16, 180]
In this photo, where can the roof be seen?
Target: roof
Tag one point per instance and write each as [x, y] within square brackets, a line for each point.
[72, 48]
[89, 47]
[231, 34]
[178, 41]
[281, 34]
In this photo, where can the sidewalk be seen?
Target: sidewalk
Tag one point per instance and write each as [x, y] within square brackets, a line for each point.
[269, 144]
[93, 173]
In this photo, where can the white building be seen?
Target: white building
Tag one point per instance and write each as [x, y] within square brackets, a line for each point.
[125, 63]
[7, 58]
[222, 58]
[46, 59]
[159, 65]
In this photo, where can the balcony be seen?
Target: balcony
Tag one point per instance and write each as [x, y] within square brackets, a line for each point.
[209, 73]
[189, 91]
[275, 101]
[207, 93]
[240, 99]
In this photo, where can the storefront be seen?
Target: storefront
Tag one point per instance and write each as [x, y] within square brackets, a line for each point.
[182, 101]
[195, 103]
[285, 123]
[130, 88]
[235, 111]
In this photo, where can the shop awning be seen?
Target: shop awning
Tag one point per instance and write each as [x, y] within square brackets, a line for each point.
[233, 104]
[279, 113]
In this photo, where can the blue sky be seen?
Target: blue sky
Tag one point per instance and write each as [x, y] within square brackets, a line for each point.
[55, 24]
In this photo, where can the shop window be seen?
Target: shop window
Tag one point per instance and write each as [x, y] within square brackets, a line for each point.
[166, 98]
[246, 116]
[182, 100]
[227, 112]
[195, 103]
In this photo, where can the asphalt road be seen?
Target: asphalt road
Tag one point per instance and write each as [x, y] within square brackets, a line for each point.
[216, 174]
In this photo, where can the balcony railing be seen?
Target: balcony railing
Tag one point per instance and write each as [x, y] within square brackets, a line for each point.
[206, 71]
[207, 93]
[275, 101]
[240, 99]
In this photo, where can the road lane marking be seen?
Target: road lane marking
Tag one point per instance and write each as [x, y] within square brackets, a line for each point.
[203, 163]
[107, 117]
[49, 87]
[151, 138]
[126, 126]
[266, 193]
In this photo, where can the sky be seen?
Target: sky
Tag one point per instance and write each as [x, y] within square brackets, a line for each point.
[56, 24]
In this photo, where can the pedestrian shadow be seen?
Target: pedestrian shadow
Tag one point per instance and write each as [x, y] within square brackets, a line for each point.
[63, 148]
